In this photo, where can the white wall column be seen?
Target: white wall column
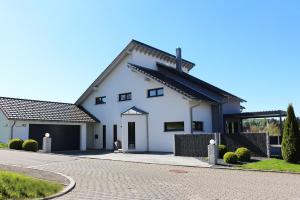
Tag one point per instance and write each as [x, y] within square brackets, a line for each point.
[83, 137]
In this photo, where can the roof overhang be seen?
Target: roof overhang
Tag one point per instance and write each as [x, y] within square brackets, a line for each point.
[253, 115]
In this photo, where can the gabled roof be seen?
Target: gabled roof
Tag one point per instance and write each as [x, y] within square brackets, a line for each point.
[133, 45]
[134, 111]
[24, 109]
[194, 82]
[172, 83]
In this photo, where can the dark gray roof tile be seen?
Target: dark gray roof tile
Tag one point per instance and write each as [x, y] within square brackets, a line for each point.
[24, 109]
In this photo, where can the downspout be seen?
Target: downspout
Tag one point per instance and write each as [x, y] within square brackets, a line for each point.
[191, 116]
[147, 126]
[12, 129]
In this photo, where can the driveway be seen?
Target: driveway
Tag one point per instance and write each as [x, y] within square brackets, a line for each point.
[148, 158]
[105, 179]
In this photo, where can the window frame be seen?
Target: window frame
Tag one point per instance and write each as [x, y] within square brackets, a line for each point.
[156, 92]
[173, 130]
[101, 100]
[126, 95]
[194, 125]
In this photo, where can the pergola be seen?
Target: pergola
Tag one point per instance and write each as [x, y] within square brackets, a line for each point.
[237, 118]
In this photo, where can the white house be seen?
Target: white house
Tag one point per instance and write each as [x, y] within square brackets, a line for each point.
[141, 99]
[146, 95]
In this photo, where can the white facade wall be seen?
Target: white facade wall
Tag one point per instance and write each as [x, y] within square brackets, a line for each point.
[169, 108]
[203, 113]
[172, 107]
[4, 128]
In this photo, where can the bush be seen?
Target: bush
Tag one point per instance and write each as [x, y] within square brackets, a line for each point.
[243, 154]
[230, 158]
[291, 138]
[222, 150]
[15, 143]
[30, 145]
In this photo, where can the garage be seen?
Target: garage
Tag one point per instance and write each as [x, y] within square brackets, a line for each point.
[31, 119]
[64, 137]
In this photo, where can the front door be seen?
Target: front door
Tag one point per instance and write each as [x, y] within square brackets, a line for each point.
[131, 135]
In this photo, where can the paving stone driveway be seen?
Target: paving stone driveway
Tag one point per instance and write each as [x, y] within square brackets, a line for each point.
[103, 179]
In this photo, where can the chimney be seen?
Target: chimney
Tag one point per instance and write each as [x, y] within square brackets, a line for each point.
[178, 60]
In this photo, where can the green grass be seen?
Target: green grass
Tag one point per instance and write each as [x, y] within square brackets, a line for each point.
[3, 145]
[17, 186]
[273, 164]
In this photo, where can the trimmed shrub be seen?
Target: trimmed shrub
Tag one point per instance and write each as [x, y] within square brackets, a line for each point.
[30, 145]
[290, 146]
[243, 154]
[15, 143]
[222, 150]
[230, 158]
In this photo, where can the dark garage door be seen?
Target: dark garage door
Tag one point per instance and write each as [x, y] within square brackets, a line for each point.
[64, 137]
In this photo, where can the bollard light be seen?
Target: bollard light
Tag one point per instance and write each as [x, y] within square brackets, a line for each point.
[47, 135]
[212, 141]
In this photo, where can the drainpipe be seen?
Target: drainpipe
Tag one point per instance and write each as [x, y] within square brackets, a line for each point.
[147, 126]
[12, 130]
[191, 115]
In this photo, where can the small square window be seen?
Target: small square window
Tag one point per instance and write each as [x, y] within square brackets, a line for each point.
[198, 126]
[100, 100]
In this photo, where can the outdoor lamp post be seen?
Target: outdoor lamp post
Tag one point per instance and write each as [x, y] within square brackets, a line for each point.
[212, 152]
[47, 143]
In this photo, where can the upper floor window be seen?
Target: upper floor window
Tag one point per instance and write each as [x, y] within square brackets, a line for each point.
[198, 126]
[157, 92]
[100, 100]
[125, 96]
[174, 126]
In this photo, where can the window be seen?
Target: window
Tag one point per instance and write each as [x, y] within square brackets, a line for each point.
[157, 92]
[100, 100]
[174, 126]
[198, 126]
[125, 96]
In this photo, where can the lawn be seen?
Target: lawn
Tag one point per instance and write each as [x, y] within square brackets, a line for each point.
[3, 145]
[273, 164]
[17, 186]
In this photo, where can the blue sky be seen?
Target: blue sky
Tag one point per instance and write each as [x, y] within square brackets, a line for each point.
[53, 50]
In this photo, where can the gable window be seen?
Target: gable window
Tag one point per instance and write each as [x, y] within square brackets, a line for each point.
[157, 92]
[174, 126]
[100, 100]
[198, 126]
[125, 96]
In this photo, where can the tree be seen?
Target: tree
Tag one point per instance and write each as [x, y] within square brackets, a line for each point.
[290, 146]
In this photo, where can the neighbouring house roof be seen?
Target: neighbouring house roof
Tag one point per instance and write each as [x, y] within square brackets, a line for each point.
[138, 46]
[24, 109]
[134, 111]
[260, 114]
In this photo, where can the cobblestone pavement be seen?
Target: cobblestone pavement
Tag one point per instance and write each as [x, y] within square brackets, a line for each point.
[103, 179]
